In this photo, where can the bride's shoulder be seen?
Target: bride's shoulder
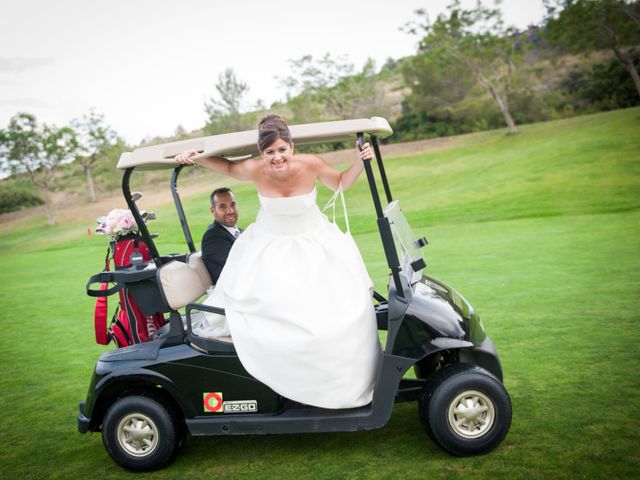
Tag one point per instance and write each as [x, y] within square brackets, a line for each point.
[252, 164]
[309, 159]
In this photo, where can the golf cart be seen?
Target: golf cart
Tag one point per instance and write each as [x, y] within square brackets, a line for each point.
[147, 397]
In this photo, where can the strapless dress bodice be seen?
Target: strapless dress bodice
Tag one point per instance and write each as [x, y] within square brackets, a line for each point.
[289, 215]
[294, 205]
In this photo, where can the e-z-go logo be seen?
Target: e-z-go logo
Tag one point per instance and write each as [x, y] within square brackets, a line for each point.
[213, 402]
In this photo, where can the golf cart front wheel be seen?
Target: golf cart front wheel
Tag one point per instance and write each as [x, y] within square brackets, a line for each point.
[466, 410]
[139, 433]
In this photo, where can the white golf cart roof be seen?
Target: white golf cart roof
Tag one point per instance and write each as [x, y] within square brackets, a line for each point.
[241, 145]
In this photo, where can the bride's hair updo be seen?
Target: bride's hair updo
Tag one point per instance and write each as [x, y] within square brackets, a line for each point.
[270, 129]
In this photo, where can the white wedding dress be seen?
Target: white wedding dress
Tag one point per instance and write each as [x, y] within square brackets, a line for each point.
[298, 306]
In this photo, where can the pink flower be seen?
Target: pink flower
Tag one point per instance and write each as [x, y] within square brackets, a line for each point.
[117, 223]
[127, 222]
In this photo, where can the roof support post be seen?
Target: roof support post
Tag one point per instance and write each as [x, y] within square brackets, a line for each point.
[383, 223]
[180, 209]
[383, 173]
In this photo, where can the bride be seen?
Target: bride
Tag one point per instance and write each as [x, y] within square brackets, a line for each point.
[295, 290]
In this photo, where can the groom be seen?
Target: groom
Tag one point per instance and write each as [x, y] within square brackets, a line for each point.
[220, 235]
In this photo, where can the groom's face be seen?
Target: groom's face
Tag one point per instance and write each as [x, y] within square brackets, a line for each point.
[225, 209]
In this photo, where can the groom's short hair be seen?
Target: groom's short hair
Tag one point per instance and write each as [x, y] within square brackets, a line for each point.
[218, 191]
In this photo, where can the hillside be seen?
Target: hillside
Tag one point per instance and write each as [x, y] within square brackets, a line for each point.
[585, 164]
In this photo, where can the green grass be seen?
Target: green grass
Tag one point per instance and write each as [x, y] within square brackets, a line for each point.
[540, 231]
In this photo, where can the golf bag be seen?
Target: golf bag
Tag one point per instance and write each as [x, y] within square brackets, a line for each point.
[128, 324]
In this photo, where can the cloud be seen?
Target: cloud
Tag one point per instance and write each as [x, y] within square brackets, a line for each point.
[21, 64]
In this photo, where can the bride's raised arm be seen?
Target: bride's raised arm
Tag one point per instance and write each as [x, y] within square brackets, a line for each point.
[238, 170]
[332, 178]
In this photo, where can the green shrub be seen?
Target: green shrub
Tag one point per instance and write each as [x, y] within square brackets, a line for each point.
[607, 86]
[15, 197]
[420, 125]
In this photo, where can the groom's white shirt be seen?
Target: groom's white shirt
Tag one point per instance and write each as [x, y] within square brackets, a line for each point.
[232, 230]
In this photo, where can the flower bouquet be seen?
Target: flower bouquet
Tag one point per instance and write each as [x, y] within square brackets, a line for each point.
[118, 223]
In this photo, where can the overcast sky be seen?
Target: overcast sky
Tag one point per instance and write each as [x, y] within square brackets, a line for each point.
[149, 65]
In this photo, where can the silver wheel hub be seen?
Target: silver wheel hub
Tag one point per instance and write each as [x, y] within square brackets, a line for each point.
[137, 435]
[471, 414]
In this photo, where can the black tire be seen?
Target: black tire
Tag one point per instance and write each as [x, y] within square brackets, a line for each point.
[181, 432]
[465, 409]
[139, 434]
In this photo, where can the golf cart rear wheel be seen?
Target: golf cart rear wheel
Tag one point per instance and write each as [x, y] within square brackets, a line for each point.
[139, 433]
[466, 410]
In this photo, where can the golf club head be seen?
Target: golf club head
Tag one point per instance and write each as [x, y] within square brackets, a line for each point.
[135, 196]
[147, 215]
[155, 235]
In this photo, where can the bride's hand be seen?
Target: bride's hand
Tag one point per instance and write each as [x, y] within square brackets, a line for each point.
[186, 157]
[365, 153]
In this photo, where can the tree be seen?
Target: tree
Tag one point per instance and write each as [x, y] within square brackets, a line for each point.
[312, 75]
[224, 114]
[180, 133]
[94, 139]
[334, 86]
[25, 146]
[588, 25]
[476, 43]
[435, 86]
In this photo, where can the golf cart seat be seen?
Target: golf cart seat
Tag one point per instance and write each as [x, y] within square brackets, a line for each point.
[183, 283]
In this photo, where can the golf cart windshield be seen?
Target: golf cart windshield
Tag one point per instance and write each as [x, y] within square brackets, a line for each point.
[405, 241]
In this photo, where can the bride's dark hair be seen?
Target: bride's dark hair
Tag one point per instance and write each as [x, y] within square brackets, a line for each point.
[271, 128]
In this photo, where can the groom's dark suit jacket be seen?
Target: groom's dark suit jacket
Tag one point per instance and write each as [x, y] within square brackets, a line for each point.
[216, 243]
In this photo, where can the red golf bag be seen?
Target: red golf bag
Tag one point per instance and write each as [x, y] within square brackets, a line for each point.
[128, 324]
